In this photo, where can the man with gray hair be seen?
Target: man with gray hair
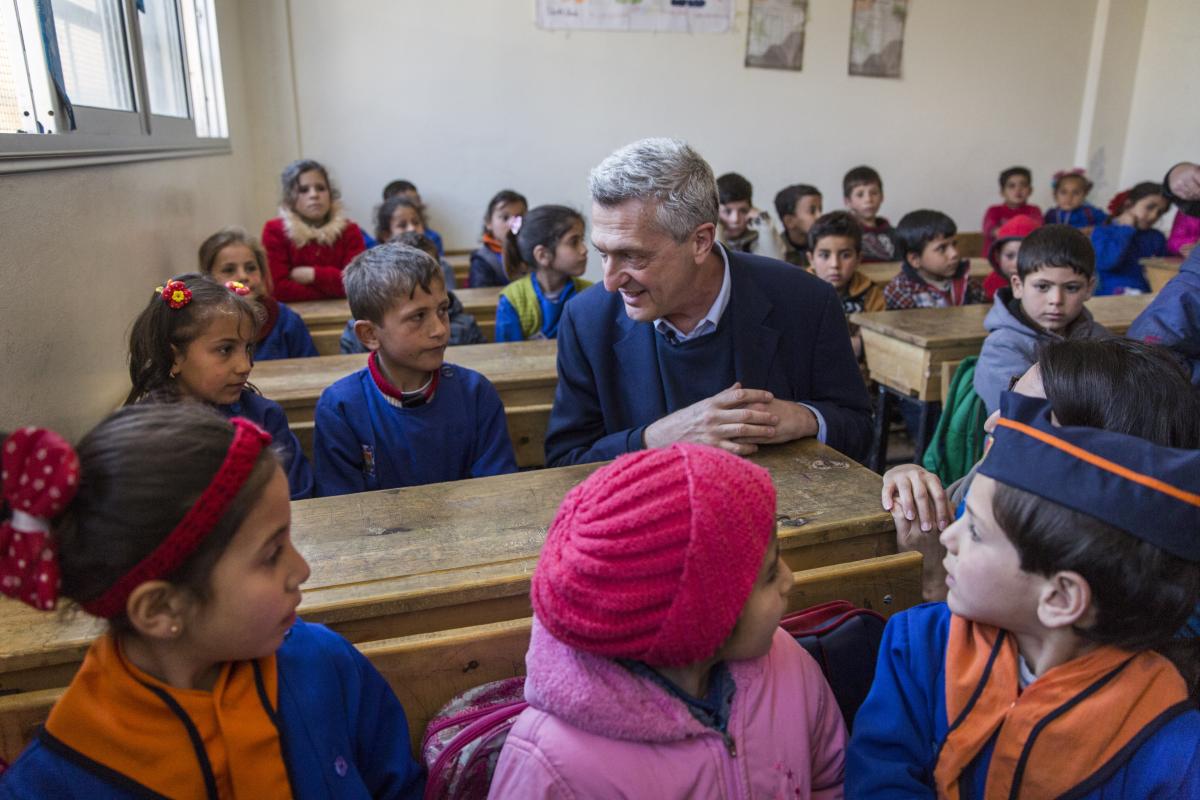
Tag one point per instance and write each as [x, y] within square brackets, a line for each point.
[691, 342]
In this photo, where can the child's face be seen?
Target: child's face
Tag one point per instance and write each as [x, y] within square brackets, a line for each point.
[502, 214]
[939, 259]
[570, 254]
[1007, 257]
[313, 199]
[1147, 211]
[1070, 193]
[404, 220]
[864, 201]
[983, 569]
[734, 217]
[751, 637]
[1053, 297]
[834, 260]
[255, 585]
[1016, 190]
[413, 336]
[215, 366]
[236, 262]
[807, 209]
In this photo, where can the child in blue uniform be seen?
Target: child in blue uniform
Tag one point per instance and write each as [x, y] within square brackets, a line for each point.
[1129, 237]
[548, 248]
[1071, 207]
[487, 262]
[407, 418]
[1076, 556]
[231, 254]
[195, 341]
[172, 523]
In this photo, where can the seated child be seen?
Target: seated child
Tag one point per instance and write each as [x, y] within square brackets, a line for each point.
[1056, 274]
[171, 523]
[1185, 233]
[836, 253]
[1071, 189]
[798, 207]
[1129, 237]
[931, 273]
[743, 227]
[1076, 556]
[863, 191]
[487, 263]
[399, 215]
[407, 418]
[311, 240]
[195, 341]
[1003, 252]
[409, 189]
[657, 667]
[463, 328]
[231, 255]
[1173, 317]
[548, 248]
[1016, 184]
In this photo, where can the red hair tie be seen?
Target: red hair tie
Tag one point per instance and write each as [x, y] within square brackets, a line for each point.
[1117, 204]
[176, 294]
[238, 288]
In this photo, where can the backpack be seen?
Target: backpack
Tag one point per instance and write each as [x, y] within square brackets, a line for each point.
[463, 740]
[957, 442]
[844, 641]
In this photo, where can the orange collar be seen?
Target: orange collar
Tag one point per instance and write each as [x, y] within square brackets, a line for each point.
[176, 742]
[1090, 707]
[492, 243]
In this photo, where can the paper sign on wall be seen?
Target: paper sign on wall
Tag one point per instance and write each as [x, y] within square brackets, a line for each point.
[877, 37]
[664, 16]
[775, 35]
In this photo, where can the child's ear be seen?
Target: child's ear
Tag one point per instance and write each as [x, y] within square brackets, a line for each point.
[177, 364]
[364, 329]
[1018, 285]
[1065, 601]
[912, 259]
[543, 256]
[1091, 287]
[156, 610]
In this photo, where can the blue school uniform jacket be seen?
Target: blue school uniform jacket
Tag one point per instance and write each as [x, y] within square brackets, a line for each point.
[1085, 216]
[1119, 251]
[288, 338]
[901, 725]
[363, 442]
[342, 730]
[269, 416]
[1173, 317]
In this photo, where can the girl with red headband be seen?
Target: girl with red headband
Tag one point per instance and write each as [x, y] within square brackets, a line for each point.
[1129, 237]
[173, 524]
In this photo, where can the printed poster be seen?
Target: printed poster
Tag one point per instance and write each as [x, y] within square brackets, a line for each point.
[877, 37]
[662, 16]
[775, 35]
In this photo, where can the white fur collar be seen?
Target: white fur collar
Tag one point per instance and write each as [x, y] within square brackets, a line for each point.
[301, 233]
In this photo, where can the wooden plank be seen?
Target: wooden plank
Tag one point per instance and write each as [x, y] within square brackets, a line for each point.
[881, 272]
[970, 244]
[452, 554]
[1160, 270]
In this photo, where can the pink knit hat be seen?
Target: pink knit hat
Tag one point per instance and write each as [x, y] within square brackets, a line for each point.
[654, 556]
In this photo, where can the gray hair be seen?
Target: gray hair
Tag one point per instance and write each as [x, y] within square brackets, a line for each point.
[378, 277]
[667, 171]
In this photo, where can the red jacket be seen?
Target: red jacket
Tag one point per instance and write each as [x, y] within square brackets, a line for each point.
[290, 242]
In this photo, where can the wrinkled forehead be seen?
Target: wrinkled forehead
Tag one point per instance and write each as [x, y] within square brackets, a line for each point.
[631, 225]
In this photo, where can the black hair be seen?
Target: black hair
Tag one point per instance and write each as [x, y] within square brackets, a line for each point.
[836, 223]
[383, 215]
[860, 176]
[919, 228]
[161, 332]
[1131, 196]
[499, 198]
[732, 188]
[289, 180]
[1013, 172]
[399, 186]
[545, 226]
[787, 197]
[1056, 246]
[378, 277]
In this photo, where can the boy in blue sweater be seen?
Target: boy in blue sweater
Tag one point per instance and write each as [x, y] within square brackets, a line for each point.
[1077, 554]
[407, 418]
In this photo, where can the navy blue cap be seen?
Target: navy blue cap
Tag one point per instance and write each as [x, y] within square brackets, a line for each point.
[1149, 491]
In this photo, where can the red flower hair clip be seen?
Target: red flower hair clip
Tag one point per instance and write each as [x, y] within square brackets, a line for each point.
[238, 288]
[176, 294]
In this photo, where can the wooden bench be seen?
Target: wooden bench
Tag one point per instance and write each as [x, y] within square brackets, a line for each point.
[326, 319]
[905, 351]
[427, 670]
[524, 373]
[881, 272]
[460, 260]
[1160, 270]
[427, 558]
[970, 244]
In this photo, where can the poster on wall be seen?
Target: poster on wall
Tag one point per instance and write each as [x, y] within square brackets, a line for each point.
[663, 16]
[775, 38]
[877, 37]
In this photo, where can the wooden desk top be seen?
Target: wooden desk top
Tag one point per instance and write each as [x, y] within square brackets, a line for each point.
[934, 328]
[425, 547]
[883, 271]
[1171, 263]
[476, 302]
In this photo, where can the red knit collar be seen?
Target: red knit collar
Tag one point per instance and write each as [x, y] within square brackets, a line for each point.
[397, 397]
[271, 306]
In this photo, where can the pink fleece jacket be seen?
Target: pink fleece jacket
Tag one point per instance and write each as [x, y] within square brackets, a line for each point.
[596, 730]
[1185, 230]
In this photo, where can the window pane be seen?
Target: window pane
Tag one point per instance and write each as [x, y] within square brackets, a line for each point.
[91, 40]
[164, 58]
[12, 69]
[204, 68]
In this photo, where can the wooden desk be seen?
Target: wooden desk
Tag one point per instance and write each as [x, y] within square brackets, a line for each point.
[970, 244]
[881, 272]
[326, 319]
[1160, 270]
[427, 558]
[461, 262]
[524, 373]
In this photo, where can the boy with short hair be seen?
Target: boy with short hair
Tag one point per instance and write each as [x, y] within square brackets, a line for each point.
[1056, 274]
[931, 273]
[743, 227]
[798, 207]
[836, 251]
[1076, 556]
[863, 191]
[1016, 184]
[407, 418]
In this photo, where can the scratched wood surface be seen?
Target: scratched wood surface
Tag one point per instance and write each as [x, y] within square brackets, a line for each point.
[432, 557]
[881, 272]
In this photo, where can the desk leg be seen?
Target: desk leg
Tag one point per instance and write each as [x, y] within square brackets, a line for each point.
[926, 422]
[879, 439]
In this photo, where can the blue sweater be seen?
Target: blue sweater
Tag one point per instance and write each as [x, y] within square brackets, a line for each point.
[1119, 251]
[1085, 216]
[1173, 317]
[335, 710]
[269, 416]
[901, 725]
[363, 442]
[289, 338]
[508, 322]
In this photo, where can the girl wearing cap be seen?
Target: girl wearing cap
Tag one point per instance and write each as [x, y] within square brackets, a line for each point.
[656, 666]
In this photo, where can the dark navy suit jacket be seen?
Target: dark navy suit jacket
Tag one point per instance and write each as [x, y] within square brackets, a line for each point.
[789, 335]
